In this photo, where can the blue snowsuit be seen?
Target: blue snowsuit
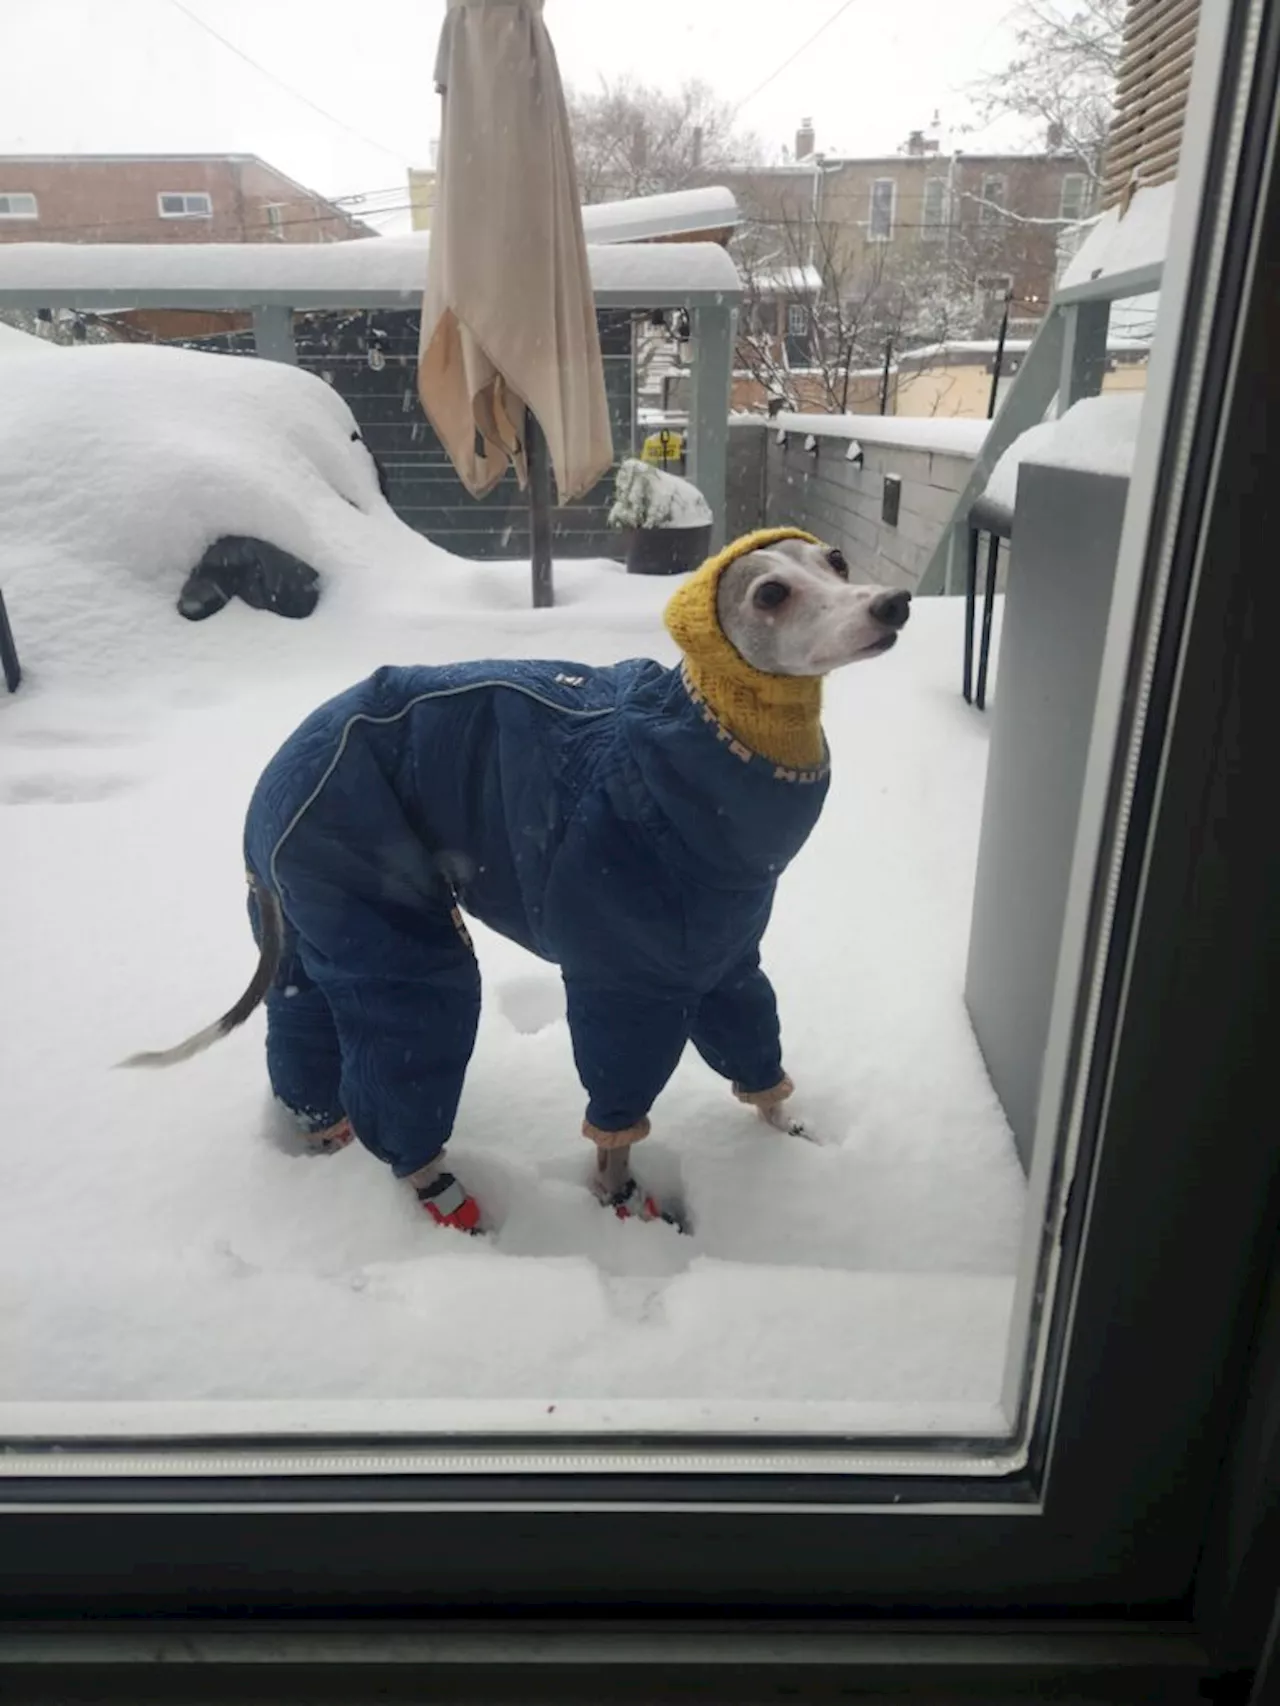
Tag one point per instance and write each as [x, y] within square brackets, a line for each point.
[599, 817]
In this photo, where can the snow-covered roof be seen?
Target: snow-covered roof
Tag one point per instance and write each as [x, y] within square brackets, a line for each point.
[957, 350]
[977, 347]
[649, 217]
[367, 272]
[788, 281]
[1130, 243]
[951, 437]
[1096, 435]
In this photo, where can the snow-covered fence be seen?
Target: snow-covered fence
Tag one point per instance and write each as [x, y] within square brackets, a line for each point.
[832, 474]
[274, 283]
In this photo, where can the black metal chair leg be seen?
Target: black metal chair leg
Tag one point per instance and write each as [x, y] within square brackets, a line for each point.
[970, 599]
[988, 607]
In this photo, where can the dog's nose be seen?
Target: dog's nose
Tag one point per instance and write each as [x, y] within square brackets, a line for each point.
[892, 608]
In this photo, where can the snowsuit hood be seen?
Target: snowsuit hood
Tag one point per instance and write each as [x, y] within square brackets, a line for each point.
[778, 716]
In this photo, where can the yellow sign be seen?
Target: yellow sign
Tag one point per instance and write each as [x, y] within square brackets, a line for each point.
[664, 446]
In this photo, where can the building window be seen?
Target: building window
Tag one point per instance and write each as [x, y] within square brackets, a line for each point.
[884, 195]
[185, 204]
[990, 293]
[18, 204]
[994, 191]
[275, 219]
[934, 209]
[799, 345]
[1075, 196]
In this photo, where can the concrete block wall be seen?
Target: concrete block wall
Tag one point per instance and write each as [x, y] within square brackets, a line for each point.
[745, 479]
[771, 485]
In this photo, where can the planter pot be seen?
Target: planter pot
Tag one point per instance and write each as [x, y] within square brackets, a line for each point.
[667, 550]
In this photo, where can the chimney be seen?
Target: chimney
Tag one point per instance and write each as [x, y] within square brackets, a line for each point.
[805, 139]
[695, 149]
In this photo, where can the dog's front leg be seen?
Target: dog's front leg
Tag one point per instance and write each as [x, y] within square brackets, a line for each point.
[774, 1108]
[789, 1121]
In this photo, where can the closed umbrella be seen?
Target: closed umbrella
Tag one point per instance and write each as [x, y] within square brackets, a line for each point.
[509, 366]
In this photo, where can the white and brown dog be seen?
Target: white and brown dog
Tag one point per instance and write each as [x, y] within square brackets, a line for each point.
[628, 824]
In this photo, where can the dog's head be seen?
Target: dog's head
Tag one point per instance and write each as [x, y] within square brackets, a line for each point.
[788, 609]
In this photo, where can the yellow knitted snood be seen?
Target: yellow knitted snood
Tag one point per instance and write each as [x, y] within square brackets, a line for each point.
[778, 716]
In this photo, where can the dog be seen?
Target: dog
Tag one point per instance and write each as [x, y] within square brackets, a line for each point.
[627, 823]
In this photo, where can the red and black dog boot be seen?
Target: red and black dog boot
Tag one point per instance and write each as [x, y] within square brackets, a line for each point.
[449, 1205]
[631, 1203]
[331, 1138]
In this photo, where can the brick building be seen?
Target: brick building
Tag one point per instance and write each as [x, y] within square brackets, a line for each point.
[151, 198]
[915, 245]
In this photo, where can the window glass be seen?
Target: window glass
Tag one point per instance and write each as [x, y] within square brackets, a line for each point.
[1075, 193]
[194, 205]
[883, 196]
[933, 211]
[596, 987]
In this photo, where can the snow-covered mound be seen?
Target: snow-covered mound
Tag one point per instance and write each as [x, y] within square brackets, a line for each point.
[14, 341]
[120, 464]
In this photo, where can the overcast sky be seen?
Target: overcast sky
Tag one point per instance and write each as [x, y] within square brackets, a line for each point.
[109, 76]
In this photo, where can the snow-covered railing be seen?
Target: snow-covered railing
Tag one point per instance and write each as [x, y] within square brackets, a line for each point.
[273, 281]
[881, 487]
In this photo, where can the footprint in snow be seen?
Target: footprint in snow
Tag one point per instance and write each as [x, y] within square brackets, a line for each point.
[63, 790]
[55, 738]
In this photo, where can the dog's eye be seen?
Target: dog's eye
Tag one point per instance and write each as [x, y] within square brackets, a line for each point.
[770, 594]
[835, 559]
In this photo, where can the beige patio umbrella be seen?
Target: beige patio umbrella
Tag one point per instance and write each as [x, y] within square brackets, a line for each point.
[509, 366]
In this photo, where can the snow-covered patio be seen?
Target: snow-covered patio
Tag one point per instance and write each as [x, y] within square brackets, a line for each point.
[157, 1240]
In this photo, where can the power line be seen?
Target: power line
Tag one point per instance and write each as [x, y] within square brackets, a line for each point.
[288, 88]
[803, 48]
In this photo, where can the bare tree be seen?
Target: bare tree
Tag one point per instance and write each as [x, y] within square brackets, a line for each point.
[632, 140]
[854, 311]
[1061, 78]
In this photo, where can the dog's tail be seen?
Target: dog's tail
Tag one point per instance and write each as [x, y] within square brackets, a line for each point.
[271, 931]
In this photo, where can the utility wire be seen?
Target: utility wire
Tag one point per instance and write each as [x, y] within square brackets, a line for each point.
[288, 88]
[790, 60]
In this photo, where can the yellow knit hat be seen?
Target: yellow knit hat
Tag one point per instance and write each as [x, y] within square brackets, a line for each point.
[778, 716]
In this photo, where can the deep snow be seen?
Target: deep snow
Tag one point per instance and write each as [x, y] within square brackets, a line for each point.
[157, 1239]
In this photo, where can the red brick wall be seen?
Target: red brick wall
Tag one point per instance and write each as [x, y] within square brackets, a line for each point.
[115, 201]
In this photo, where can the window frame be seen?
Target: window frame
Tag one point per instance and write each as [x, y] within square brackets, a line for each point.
[933, 230]
[873, 236]
[1174, 1206]
[20, 195]
[1082, 179]
[983, 292]
[992, 204]
[187, 212]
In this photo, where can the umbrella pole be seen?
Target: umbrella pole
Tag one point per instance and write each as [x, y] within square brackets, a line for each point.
[539, 465]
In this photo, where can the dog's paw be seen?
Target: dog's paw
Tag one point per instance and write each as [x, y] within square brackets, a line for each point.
[631, 1202]
[791, 1122]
